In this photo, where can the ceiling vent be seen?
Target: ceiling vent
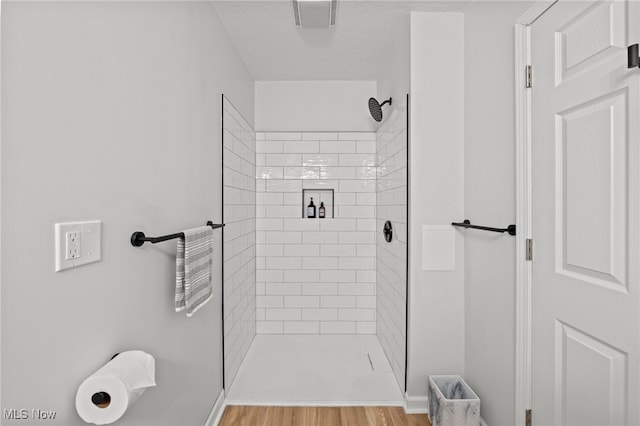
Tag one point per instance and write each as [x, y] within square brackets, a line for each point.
[315, 13]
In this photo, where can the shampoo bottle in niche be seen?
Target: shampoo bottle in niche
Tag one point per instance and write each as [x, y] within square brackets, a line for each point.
[321, 210]
[311, 209]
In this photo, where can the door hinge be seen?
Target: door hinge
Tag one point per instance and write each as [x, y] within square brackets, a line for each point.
[529, 249]
[527, 418]
[528, 76]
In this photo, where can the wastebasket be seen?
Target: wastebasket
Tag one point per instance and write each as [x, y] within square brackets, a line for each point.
[452, 402]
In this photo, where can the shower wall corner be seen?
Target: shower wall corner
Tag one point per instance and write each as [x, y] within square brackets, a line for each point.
[239, 238]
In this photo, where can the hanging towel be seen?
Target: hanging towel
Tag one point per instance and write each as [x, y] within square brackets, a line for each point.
[194, 259]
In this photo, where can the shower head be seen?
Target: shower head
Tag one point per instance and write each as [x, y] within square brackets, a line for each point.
[375, 108]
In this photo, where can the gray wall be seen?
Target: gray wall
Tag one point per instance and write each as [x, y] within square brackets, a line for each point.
[395, 80]
[436, 195]
[489, 190]
[128, 96]
[314, 106]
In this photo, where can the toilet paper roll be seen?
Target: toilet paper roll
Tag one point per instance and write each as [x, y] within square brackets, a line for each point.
[107, 394]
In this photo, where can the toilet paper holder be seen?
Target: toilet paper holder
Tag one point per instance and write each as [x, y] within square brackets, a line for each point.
[102, 399]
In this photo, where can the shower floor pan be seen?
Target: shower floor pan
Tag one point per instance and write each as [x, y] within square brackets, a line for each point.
[315, 370]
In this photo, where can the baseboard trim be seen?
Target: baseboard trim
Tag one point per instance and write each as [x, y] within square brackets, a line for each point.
[420, 405]
[216, 411]
[416, 404]
[311, 403]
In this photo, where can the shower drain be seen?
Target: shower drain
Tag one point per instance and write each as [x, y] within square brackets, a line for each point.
[370, 362]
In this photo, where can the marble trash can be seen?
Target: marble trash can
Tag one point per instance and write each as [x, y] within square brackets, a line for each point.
[452, 402]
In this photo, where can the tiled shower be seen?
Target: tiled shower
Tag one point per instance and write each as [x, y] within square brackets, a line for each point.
[391, 258]
[239, 246]
[315, 276]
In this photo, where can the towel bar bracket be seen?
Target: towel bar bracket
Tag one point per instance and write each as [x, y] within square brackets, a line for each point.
[137, 239]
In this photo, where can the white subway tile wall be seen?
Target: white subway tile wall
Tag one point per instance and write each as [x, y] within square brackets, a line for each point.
[316, 276]
[239, 214]
[391, 199]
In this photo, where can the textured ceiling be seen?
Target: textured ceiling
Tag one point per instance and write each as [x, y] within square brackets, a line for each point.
[355, 49]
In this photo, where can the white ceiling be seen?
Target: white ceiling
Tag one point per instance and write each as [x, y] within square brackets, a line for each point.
[357, 48]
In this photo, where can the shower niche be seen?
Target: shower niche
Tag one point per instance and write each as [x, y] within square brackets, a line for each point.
[318, 201]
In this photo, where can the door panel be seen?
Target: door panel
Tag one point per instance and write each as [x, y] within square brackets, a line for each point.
[577, 353]
[585, 185]
[590, 37]
[591, 191]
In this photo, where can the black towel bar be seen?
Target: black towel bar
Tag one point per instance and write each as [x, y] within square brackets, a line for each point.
[511, 229]
[138, 238]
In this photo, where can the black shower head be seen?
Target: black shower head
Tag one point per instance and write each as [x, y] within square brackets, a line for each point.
[375, 108]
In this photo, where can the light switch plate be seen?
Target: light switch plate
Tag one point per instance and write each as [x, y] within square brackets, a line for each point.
[89, 243]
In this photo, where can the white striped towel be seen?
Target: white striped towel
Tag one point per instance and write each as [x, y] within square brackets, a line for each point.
[194, 259]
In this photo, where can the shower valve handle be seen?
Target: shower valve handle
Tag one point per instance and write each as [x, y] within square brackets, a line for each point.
[387, 231]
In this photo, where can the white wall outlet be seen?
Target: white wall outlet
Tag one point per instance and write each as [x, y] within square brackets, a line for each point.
[73, 250]
[77, 243]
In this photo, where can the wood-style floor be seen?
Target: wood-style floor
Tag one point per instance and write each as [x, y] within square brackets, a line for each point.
[241, 415]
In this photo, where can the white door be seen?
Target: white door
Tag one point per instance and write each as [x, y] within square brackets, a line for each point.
[585, 224]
